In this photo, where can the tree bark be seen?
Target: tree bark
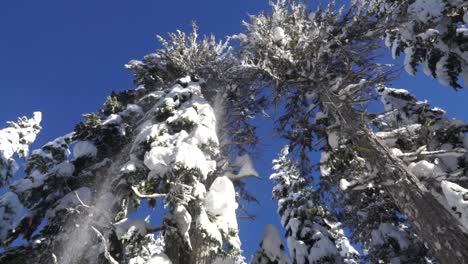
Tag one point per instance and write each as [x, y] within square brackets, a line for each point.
[436, 226]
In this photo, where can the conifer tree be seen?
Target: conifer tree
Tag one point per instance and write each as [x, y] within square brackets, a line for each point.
[396, 181]
[158, 142]
[311, 234]
[323, 62]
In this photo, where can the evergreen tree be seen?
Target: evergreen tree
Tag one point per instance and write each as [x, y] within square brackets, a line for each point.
[364, 206]
[158, 141]
[397, 181]
[323, 63]
[312, 236]
[433, 145]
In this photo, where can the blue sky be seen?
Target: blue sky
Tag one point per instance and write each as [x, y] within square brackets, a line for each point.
[63, 58]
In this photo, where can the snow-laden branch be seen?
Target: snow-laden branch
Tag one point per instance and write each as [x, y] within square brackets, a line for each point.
[149, 196]
[423, 153]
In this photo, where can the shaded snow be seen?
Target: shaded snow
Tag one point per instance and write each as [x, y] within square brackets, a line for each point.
[425, 169]
[425, 10]
[10, 209]
[386, 230]
[84, 148]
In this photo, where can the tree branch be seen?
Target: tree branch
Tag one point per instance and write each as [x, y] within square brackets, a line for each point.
[148, 196]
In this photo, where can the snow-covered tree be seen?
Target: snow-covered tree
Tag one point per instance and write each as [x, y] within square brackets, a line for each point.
[431, 145]
[397, 182]
[312, 235]
[323, 63]
[14, 140]
[156, 142]
[432, 33]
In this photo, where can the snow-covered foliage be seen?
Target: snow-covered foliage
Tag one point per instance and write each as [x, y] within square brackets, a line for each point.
[368, 211]
[308, 233]
[271, 249]
[431, 33]
[432, 144]
[10, 209]
[169, 140]
[182, 55]
[171, 152]
[305, 55]
[16, 140]
[323, 71]
[84, 148]
[174, 155]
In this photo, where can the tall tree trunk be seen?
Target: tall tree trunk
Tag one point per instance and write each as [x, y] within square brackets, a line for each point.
[430, 220]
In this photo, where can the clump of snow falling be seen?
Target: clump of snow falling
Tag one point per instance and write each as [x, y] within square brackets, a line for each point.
[64, 169]
[81, 196]
[425, 10]
[325, 170]
[246, 167]
[465, 141]
[385, 231]
[220, 201]
[84, 148]
[112, 119]
[425, 169]
[333, 139]
[344, 184]
[132, 109]
[457, 199]
[272, 246]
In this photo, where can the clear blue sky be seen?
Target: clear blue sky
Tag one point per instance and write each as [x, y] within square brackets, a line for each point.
[63, 58]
